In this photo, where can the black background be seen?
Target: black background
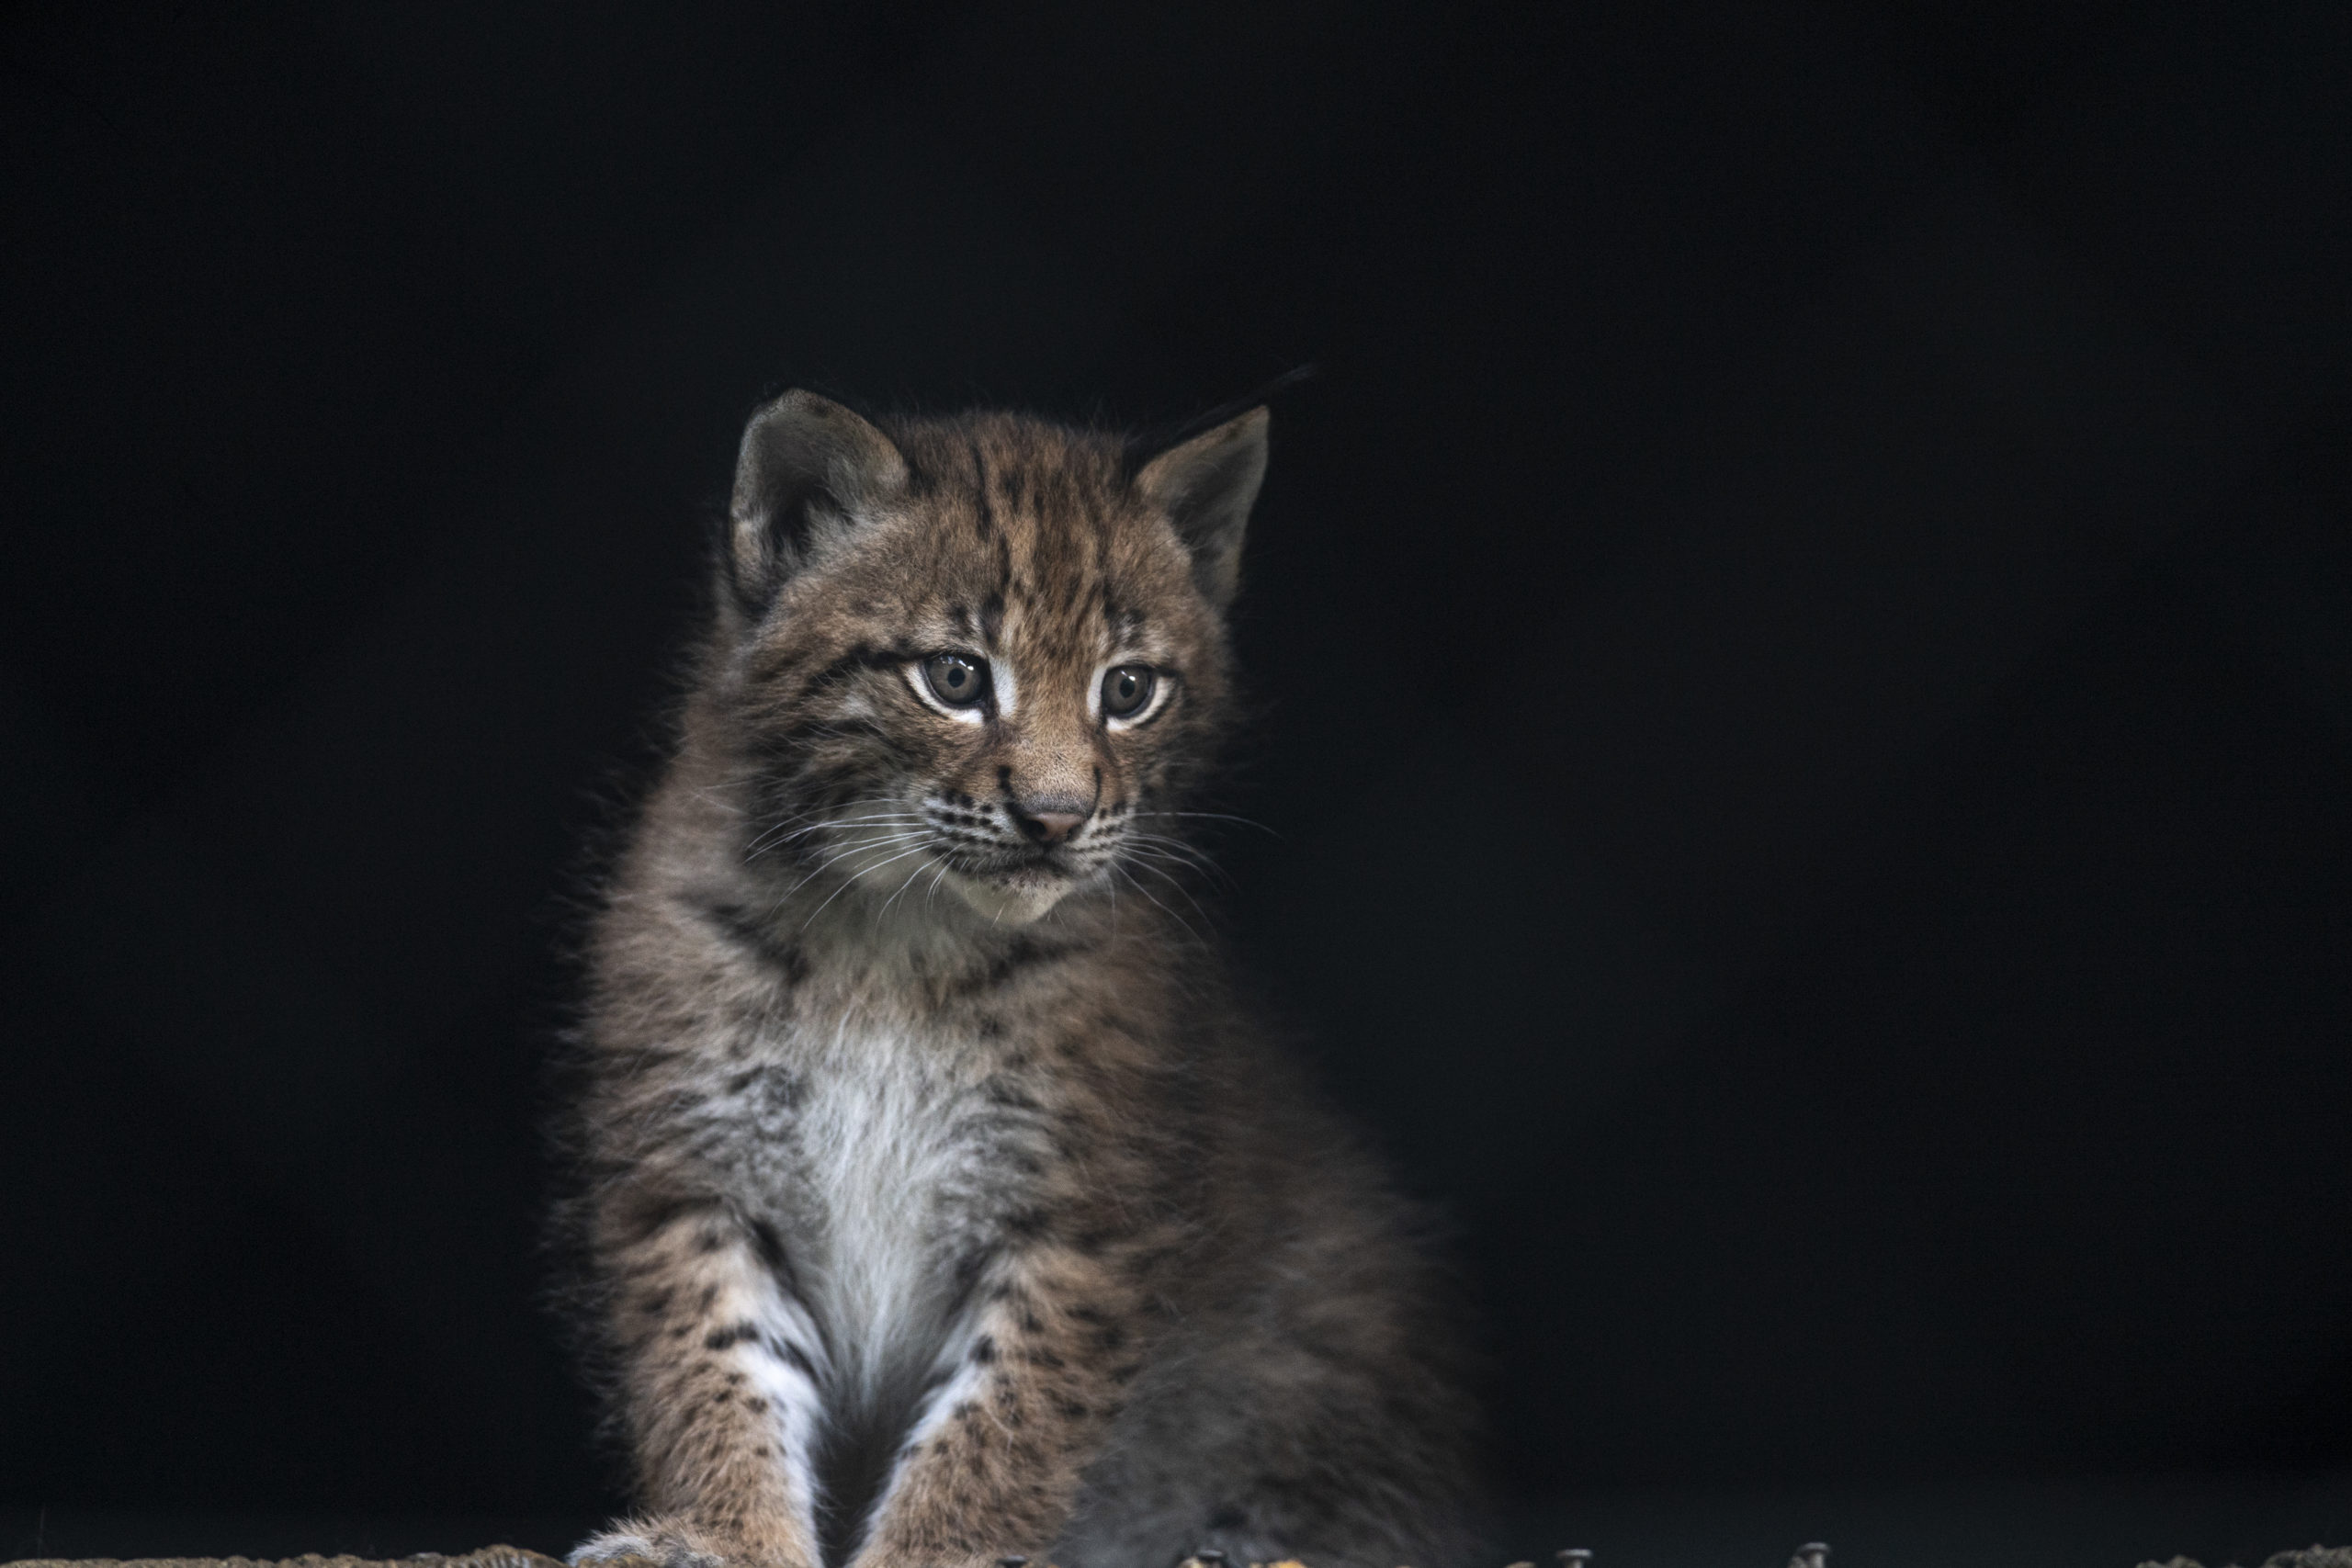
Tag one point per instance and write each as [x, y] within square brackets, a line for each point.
[1805, 631]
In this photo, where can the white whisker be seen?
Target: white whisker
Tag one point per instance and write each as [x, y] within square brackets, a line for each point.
[853, 879]
[1164, 908]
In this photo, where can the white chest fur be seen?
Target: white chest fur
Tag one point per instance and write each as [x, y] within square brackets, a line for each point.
[884, 1162]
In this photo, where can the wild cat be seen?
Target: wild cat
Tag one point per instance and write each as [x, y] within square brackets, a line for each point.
[941, 1205]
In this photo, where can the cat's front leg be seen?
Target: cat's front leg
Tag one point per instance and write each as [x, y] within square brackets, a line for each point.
[721, 1368]
[992, 1469]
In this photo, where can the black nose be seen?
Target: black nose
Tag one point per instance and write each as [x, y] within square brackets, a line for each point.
[1048, 821]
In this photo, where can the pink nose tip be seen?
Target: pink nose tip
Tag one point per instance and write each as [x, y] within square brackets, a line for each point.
[1050, 826]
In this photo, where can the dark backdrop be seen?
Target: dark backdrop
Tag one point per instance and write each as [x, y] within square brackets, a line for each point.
[1805, 629]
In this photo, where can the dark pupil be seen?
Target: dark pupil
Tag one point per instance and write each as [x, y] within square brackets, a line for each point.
[1124, 690]
[957, 679]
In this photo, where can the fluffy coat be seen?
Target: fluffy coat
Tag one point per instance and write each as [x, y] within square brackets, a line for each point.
[938, 1201]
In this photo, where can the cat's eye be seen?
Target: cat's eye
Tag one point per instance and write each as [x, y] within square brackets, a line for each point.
[1127, 690]
[956, 678]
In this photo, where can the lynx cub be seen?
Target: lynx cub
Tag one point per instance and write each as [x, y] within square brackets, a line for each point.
[939, 1204]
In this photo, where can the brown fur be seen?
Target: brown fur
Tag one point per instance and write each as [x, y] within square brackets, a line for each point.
[1150, 1297]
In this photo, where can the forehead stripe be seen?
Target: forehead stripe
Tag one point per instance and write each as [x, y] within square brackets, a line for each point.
[984, 520]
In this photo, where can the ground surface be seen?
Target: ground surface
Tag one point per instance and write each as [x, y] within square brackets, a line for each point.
[2173, 1521]
[515, 1557]
[487, 1557]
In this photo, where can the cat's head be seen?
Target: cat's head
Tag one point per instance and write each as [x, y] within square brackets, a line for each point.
[975, 654]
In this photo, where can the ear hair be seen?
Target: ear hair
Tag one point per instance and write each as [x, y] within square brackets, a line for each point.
[1152, 439]
[1206, 487]
[807, 469]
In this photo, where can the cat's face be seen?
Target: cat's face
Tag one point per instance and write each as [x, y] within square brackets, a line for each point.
[980, 659]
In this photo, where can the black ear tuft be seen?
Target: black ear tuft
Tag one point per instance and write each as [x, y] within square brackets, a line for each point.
[1207, 486]
[807, 470]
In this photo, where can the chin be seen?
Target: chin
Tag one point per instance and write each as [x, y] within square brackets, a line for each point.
[1012, 898]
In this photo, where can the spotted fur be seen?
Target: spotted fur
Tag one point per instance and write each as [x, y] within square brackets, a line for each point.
[940, 1204]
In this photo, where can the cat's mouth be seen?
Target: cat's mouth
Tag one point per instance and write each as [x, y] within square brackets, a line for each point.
[1013, 894]
[1014, 884]
[1013, 879]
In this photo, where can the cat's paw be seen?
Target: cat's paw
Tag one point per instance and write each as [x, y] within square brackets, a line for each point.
[670, 1544]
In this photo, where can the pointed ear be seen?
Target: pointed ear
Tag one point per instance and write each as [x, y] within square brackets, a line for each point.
[1206, 487]
[808, 468]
